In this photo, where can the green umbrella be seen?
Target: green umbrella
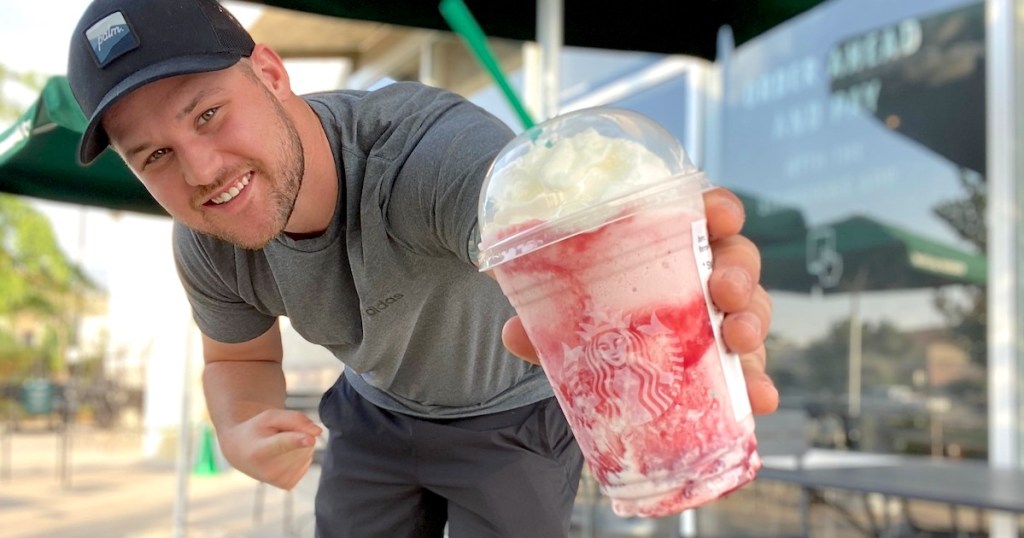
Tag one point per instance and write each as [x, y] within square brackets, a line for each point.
[670, 27]
[860, 254]
[38, 158]
[768, 222]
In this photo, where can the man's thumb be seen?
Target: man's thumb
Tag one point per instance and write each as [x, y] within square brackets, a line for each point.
[285, 442]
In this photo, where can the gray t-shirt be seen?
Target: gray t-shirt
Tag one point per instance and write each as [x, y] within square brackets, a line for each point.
[390, 287]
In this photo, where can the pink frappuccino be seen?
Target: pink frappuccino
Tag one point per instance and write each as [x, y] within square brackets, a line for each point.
[609, 276]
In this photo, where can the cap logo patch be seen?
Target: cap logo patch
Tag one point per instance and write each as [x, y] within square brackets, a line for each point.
[110, 38]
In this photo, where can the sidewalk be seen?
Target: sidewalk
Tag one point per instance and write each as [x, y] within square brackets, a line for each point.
[112, 492]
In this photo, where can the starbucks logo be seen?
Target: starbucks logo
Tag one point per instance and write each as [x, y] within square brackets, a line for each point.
[624, 368]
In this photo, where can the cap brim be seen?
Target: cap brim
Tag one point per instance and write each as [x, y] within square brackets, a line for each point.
[95, 139]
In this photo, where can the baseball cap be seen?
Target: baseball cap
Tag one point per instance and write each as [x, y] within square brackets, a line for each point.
[121, 45]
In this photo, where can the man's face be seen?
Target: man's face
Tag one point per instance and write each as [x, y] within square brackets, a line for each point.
[217, 150]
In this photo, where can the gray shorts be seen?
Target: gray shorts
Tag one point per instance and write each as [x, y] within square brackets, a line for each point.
[389, 475]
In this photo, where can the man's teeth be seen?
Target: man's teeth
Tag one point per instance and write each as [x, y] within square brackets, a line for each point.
[232, 192]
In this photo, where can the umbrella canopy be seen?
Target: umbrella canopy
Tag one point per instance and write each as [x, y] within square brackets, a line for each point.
[668, 27]
[768, 222]
[38, 158]
[860, 254]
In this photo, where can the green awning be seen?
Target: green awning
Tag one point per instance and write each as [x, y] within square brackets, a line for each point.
[663, 26]
[862, 254]
[38, 159]
[768, 222]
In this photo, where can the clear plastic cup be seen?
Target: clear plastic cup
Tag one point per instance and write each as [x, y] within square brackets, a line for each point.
[593, 224]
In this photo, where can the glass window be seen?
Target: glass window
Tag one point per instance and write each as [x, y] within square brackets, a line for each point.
[494, 101]
[857, 138]
[585, 70]
[665, 102]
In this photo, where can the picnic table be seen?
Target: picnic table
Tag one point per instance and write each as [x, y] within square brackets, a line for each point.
[955, 483]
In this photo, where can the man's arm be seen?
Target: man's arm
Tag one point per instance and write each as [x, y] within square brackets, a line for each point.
[245, 391]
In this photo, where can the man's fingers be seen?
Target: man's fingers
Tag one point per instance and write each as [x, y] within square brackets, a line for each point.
[291, 479]
[745, 331]
[735, 290]
[283, 443]
[764, 397]
[514, 336]
[737, 269]
[285, 420]
[289, 454]
[724, 212]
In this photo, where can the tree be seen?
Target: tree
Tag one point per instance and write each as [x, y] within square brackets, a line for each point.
[966, 312]
[888, 357]
[10, 110]
[39, 282]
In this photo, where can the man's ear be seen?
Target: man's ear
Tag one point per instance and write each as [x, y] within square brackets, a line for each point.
[269, 68]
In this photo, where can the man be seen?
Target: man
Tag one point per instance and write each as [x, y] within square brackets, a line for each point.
[354, 214]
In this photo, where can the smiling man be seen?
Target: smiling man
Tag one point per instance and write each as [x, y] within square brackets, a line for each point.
[354, 214]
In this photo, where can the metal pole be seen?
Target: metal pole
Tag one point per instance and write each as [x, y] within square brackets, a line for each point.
[550, 16]
[1003, 222]
[856, 356]
[688, 523]
[287, 517]
[63, 409]
[590, 498]
[184, 459]
[428, 73]
[64, 455]
[855, 349]
[5, 447]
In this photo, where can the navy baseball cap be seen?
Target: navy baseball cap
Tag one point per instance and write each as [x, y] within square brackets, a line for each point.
[121, 45]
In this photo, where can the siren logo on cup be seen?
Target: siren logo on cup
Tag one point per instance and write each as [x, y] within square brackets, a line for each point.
[383, 304]
[110, 38]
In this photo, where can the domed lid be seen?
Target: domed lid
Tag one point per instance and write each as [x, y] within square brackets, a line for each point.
[544, 184]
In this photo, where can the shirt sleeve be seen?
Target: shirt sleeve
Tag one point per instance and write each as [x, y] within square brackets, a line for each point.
[435, 193]
[207, 272]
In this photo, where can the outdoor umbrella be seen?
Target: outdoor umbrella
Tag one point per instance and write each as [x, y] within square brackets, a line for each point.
[768, 222]
[689, 28]
[38, 158]
[860, 254]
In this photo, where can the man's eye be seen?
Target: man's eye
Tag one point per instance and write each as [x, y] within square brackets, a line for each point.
[207, 116]
[156, 155]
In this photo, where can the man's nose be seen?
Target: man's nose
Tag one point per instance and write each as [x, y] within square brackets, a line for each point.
[199, 163]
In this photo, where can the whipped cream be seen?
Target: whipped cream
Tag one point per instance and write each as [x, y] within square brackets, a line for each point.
[557, 179]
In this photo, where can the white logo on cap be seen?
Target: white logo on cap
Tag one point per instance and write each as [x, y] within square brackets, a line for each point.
[107, 34]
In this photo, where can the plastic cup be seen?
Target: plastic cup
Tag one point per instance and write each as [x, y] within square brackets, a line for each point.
[593, 224]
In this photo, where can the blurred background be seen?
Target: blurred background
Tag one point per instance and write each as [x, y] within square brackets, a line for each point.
[872, 142]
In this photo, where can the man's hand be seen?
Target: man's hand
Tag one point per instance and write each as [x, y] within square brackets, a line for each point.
[734, 289]
[275, 446]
